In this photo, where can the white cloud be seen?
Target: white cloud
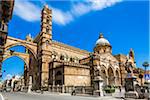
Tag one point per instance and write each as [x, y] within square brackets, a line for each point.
[80, 9]
[92, 5]
[60, 17]
[101, 4]
[31, 12]
[27, 10]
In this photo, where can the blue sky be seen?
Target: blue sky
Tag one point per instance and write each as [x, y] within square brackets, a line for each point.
[124, 23]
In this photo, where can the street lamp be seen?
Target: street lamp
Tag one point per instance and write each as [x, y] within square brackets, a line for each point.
[145, 64]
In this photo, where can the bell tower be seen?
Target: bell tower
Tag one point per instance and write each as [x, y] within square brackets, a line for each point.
[44, 40]
[46, 21]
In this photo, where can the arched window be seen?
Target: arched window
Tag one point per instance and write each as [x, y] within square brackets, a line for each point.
[48, 21]
[55, 55]
[58, 73]
[62, 57]
[47, 29]
[111, 76]
[72, 59]
[47, 42]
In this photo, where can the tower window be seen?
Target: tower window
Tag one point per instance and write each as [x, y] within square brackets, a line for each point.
[62, 57]
[58, 73]
[47, 30]
[48, 21]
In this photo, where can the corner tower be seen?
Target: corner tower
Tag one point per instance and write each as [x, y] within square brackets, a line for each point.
[44, 40]
[102, 45]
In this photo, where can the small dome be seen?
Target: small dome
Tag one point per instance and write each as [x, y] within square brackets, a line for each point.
[102, 40]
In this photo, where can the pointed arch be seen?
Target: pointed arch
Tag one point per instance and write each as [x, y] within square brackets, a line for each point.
[25, 61]
[24, 45]
[111, 76]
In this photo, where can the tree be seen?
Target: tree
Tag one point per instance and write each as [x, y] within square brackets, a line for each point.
[145, 64]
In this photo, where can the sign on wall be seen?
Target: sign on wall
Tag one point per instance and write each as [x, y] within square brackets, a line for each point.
[147, 76]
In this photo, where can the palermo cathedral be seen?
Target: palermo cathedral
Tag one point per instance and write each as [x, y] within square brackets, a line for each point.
[61, 64]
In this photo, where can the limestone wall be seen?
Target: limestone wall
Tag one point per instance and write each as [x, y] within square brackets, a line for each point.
[74, 76]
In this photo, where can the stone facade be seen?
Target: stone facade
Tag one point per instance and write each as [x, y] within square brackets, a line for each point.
[54, 63]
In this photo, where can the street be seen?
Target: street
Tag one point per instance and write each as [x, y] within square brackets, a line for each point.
[36, 96]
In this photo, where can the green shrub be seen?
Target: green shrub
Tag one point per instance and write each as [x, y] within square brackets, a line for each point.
[109, 89]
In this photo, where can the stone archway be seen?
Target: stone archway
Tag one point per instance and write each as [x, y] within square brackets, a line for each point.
[111, 76]
[25, 59]
[104, 74]
[11, 42]
[24, 45]
[117, 78]
[31, 47]
[23, 56]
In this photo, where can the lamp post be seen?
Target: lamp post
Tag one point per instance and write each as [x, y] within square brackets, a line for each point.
[145, 65]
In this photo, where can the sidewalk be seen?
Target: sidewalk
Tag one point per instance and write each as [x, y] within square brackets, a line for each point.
[80, 95]
[1, 97]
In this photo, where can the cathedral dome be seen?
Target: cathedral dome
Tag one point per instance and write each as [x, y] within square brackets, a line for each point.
[102, 41]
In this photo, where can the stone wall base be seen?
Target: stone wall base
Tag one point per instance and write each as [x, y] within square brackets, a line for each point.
[131, 94]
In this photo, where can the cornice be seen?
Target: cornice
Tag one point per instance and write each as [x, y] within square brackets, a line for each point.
[70, 48]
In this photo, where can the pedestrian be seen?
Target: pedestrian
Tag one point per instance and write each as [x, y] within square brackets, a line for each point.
[73, 92]
[120, 88]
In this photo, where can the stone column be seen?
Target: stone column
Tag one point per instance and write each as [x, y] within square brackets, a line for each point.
[53, 77]
[100, 88]
[98, 83]
[12, 84]
[57, 88]
[30, 84]
[53, 88]
[83, 90]
[63, 88]
[107, 82]
[115, 80]
[44, 74]
[50, 88]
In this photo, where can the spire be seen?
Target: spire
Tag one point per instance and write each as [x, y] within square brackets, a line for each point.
[101, 35]
[29, 34]
[29, 37]
[46, 6]
[131, 53]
